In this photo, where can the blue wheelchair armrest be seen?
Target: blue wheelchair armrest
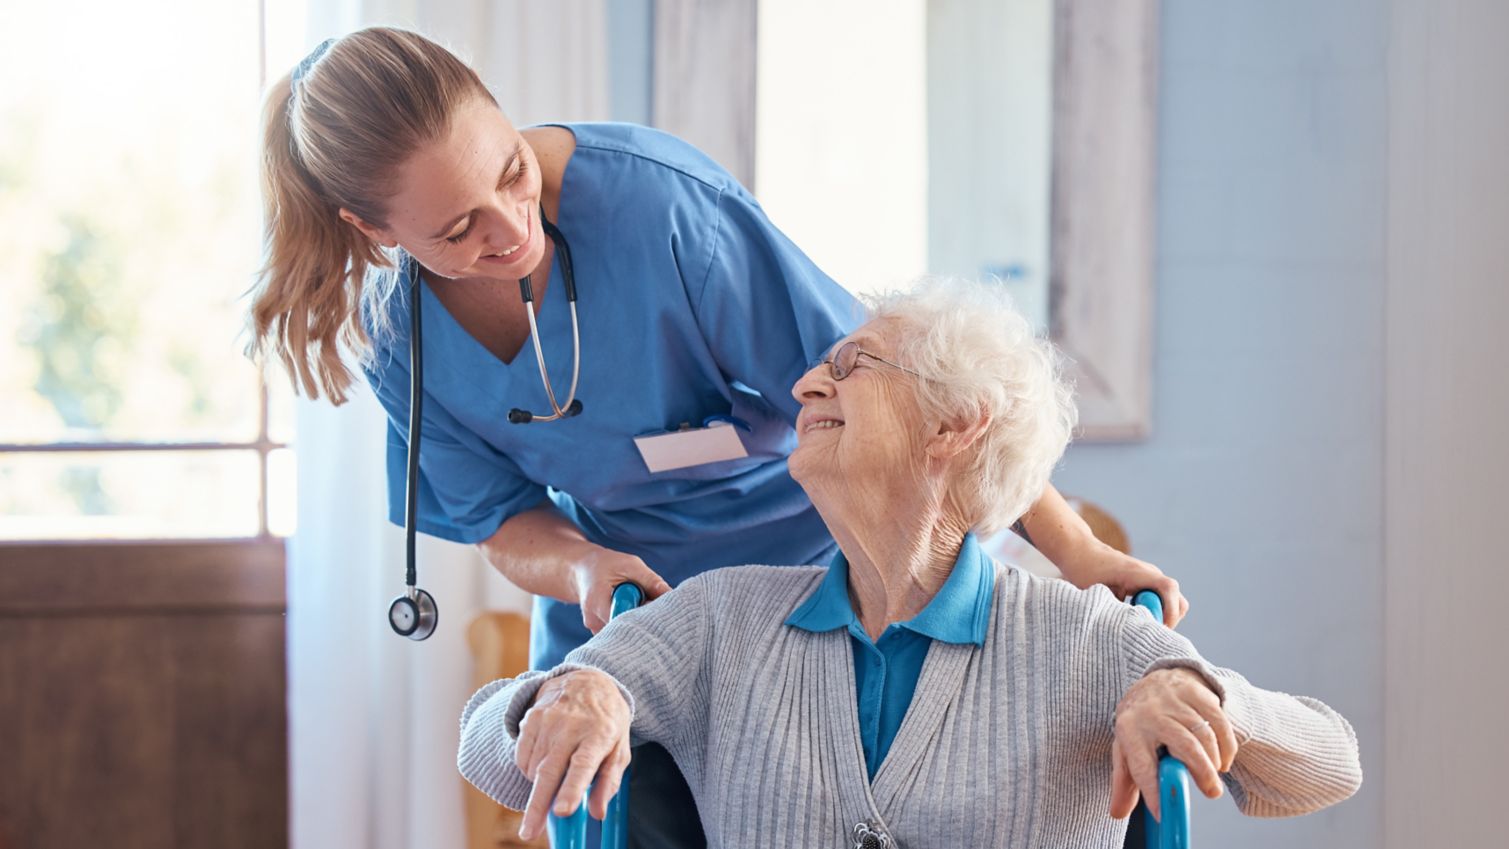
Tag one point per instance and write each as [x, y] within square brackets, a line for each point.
[571, 832]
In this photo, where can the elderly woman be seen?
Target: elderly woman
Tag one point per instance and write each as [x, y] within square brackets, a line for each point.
[912, 689]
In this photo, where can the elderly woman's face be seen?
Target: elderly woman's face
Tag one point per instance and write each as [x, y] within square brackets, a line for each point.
[863, 427]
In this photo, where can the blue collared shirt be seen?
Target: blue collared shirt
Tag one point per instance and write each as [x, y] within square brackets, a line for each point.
[886, 670]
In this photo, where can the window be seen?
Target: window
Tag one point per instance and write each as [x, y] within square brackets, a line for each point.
[129, 230]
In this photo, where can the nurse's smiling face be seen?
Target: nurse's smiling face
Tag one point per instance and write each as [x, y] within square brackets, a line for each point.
[863, 436]
[467, 205]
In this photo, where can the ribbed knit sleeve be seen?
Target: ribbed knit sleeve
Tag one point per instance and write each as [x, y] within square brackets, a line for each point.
[1295, 754]
[485, 754]
[659, 654]
[654, 655]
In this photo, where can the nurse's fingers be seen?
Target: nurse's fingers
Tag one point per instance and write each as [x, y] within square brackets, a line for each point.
[1175, 604]
[636, 572]
[599, 576]
[593, 616]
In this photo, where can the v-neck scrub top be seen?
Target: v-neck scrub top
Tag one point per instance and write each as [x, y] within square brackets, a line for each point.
[692, 304]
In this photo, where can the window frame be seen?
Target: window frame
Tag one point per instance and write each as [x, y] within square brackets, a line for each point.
[263, 444]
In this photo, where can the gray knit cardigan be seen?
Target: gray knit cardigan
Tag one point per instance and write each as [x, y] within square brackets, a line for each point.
[1008, 744]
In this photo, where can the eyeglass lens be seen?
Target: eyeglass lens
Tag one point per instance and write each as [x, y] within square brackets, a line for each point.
[844, 359]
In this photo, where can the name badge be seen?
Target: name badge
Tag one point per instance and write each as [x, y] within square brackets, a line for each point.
[691, 446]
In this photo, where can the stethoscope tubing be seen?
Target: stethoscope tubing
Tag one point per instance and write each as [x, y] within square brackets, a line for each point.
[422, 604]
[539, 357]
[416, 419]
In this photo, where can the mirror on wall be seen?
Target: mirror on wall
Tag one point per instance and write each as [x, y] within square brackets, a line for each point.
[1010, 139]
[915, 141]
[989, 144]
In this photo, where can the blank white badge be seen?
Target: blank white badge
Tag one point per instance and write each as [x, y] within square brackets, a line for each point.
[680, 449]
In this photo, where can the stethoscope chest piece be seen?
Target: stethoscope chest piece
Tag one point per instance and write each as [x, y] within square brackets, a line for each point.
[414, 614]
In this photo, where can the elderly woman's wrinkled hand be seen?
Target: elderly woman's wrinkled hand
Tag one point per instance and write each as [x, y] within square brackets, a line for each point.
[576, 733]
[1176, 709]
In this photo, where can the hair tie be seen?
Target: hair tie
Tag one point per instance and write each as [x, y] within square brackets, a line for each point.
[303, 67]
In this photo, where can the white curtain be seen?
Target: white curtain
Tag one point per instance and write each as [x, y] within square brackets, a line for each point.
[373, 717]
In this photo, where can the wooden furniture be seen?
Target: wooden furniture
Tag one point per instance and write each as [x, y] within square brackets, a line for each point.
[500, 649]
[1102, 524]
[143, 695]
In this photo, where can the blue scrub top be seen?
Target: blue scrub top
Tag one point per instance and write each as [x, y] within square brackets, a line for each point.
[692, 304]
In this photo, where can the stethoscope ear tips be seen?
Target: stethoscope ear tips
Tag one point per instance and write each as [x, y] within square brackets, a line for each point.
[414, 614]
[574, 408]
[517, 416]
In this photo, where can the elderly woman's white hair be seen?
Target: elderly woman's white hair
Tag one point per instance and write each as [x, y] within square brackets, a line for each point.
[976, 353]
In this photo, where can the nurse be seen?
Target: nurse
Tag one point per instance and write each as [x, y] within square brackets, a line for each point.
[387, 166]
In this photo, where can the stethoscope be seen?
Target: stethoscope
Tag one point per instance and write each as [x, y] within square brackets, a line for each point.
[414, 614]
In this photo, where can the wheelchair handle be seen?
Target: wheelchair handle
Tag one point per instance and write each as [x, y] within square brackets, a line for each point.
[571, 832]
[1173, 775]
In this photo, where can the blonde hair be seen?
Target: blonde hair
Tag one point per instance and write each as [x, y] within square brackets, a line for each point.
[977, 354]
[335, 131]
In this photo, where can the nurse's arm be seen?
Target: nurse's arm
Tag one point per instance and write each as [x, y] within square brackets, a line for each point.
[1064, 538]
[541, 552]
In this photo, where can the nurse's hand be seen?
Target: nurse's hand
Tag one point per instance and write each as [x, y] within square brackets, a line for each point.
[596, 575]
[1094, 562]
[575, 733]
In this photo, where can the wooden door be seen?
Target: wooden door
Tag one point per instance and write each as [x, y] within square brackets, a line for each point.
[143, 696]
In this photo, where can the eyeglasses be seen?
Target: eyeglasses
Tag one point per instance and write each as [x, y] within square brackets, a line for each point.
[843, 361]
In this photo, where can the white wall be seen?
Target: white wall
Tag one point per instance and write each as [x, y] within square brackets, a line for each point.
[1261, 485]
[1447, 415]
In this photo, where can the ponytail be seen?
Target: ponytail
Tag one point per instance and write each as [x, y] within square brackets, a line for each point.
[376, 97]
[305, 306]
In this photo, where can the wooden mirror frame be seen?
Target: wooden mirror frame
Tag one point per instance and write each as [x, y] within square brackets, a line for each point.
[1100, 287]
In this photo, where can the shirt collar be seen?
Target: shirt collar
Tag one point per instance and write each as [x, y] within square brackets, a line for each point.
[959, 613]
